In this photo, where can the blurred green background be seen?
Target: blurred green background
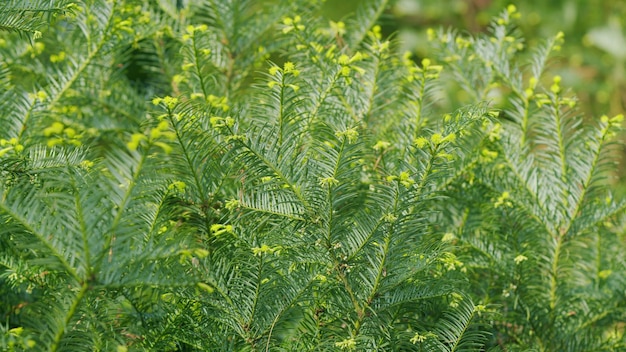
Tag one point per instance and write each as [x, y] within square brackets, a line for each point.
[592, 61]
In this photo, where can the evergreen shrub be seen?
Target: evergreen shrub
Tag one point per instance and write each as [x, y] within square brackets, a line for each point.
[232, 176]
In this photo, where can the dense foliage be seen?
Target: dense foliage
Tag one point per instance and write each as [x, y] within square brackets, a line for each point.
[591, 61]
[231, 176]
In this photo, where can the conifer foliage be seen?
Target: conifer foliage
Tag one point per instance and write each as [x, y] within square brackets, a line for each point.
[232, 176]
